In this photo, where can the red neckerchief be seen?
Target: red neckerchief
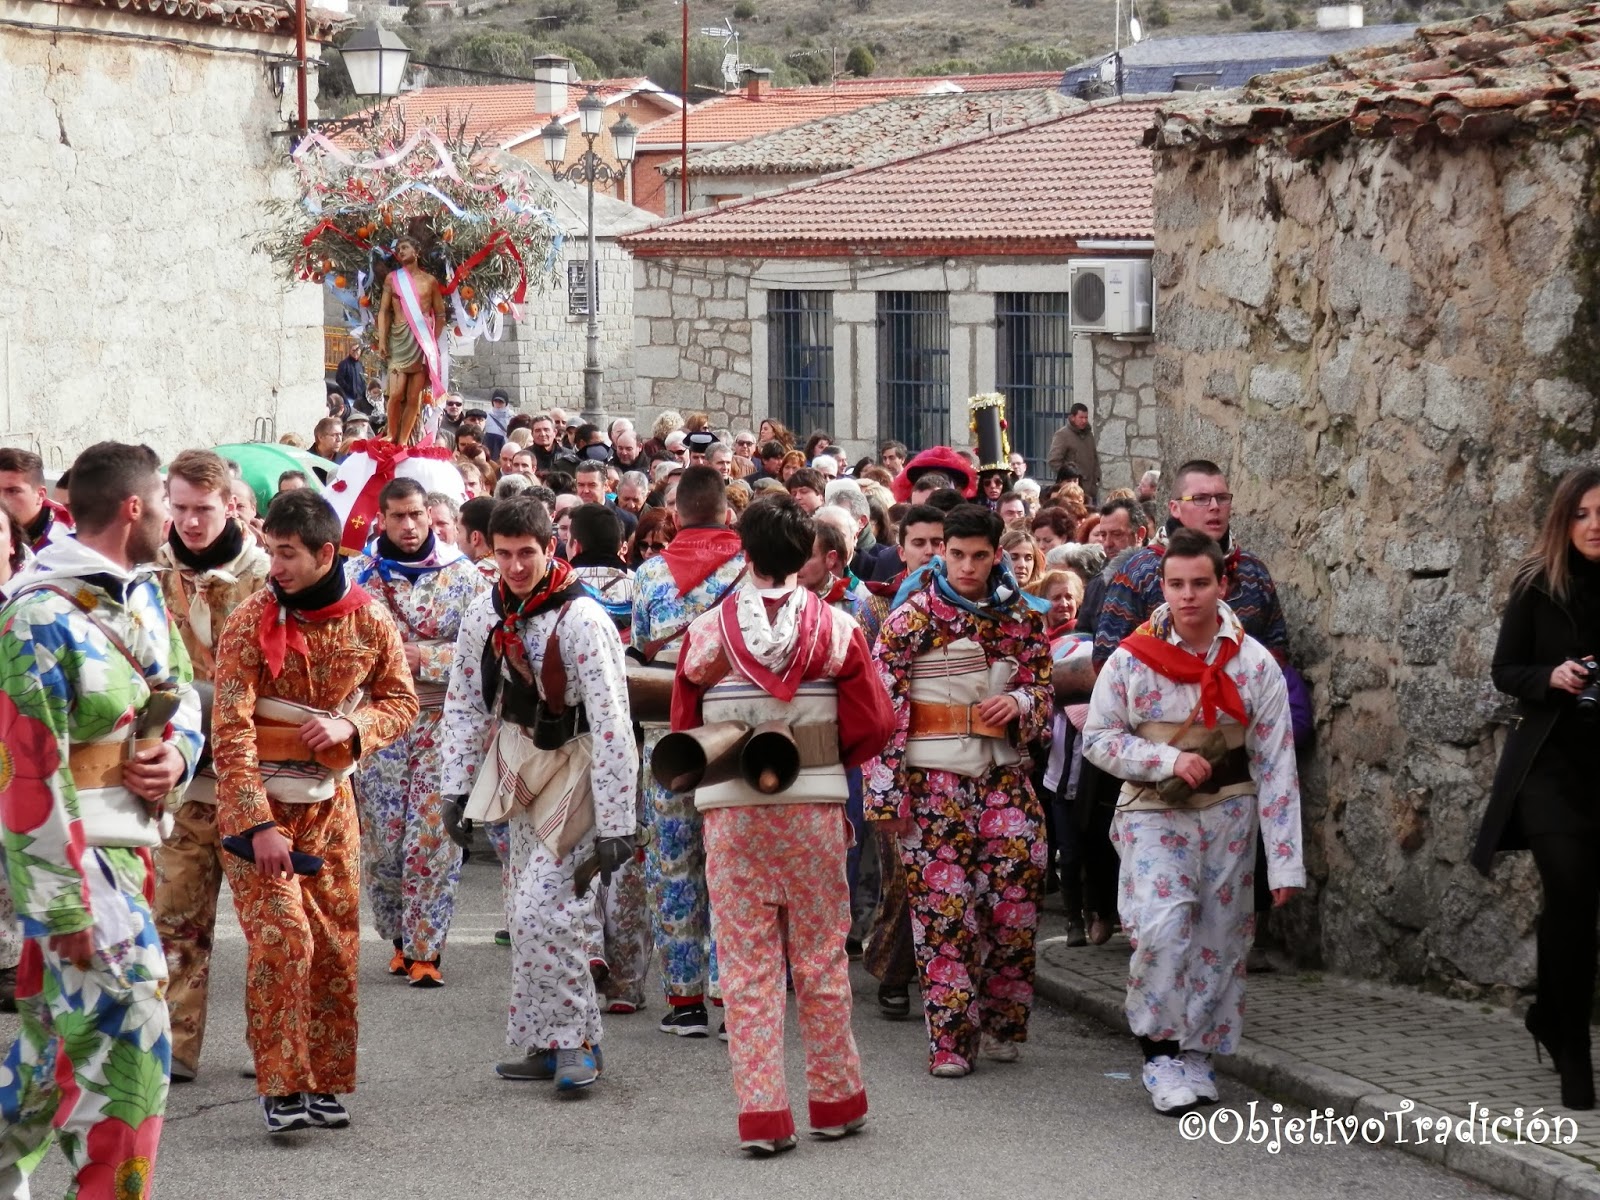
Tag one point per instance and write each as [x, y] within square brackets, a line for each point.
[696, 553]
[506, 637]
[1217, 691]
[839, 590]
[810, 653]
[889, 588]
[279, 632]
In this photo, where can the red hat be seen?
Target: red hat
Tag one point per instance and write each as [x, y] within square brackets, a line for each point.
[940, 458]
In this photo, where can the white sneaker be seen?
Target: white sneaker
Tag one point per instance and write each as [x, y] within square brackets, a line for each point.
[1201, 1075]
[998, 1051]
[1168, 1084]
[767, 1147]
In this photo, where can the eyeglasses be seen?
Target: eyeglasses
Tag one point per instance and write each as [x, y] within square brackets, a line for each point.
[1214, 500]
[656, 547]
[743, 443]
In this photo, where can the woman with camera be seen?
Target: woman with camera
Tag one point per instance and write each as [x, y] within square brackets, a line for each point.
[1543, 798]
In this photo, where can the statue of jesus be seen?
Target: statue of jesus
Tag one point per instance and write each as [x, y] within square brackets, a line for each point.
[409, 320]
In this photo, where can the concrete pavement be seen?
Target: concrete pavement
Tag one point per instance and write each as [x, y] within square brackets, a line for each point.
[430, 1120]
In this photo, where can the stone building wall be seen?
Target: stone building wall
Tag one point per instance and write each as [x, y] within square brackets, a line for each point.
[135, 305]
[700, 331]
[1390, 350]
[540, 359]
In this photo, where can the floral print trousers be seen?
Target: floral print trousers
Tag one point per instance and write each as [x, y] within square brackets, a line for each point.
[1187, 903]
[303, 936]
[974, 873]
[188, 881]
[411, 866]
[890, 951]
[777, 877]
[92, 1059]
[627, 940]
[675, 871]
[554, 933]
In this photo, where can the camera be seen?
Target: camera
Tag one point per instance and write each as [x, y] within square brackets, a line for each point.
[1588, 702]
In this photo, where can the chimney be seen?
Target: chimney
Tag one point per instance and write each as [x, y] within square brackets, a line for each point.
[1340, 16]
[756, 82]
[550, 84]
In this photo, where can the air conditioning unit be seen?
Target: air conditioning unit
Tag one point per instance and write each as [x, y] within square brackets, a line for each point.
[1109, 295]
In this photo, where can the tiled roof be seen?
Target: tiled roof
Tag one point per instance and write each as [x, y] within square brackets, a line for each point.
[735, 117]
[1040, 188]
[503, 114]
[882, 131]
[261, 16]
[1534, 64]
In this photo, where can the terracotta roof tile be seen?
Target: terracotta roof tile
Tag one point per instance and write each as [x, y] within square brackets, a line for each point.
[1040, 188]
[502, 114]
[1532, 64]
[879, 132]
[735, 117]
[261, 16]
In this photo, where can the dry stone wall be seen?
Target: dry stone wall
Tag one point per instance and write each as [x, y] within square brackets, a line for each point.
[135, 305]
[1390, 349]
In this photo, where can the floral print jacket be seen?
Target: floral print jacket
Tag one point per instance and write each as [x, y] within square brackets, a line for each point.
[1128, 693]
[591, 650]
[63, 683]
[359, 650]
[928, 622]
[428, 608]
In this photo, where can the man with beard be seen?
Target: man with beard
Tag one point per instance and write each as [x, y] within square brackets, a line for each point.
[84, 643]
[213, 564]
[538, 648]
[310, 675]
[967, 664]
[412, 866]
[40, 519]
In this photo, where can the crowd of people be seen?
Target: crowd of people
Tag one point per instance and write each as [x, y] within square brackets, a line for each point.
[725, 704]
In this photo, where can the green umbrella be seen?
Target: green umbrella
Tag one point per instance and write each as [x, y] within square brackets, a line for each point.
[260, 464]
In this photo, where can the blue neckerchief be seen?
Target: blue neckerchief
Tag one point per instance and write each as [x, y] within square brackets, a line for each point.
[1003, 590]
[620, 611]
[1037, 603]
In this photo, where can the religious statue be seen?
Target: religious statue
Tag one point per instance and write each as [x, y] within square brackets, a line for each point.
[410, 345]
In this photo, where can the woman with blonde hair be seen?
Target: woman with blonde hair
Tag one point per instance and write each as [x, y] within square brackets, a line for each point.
[1543, 794]
[1027, 562]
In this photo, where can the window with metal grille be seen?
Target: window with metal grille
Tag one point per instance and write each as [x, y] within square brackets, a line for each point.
[578, 288]
[800, 359]
[1033, 363]
[914, 368]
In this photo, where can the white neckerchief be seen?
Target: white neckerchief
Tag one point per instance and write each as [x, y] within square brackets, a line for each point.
[769, 641]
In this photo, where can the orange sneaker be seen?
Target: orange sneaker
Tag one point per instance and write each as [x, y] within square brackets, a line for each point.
[399, 964]
[426, 975]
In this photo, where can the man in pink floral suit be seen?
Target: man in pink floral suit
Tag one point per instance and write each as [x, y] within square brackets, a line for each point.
[968, 666]
[1194, 712]
[775, 857]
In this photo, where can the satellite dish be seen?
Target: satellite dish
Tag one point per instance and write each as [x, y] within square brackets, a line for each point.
[1135, 30]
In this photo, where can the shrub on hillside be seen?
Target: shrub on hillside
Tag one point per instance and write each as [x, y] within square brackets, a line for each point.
[860, 61]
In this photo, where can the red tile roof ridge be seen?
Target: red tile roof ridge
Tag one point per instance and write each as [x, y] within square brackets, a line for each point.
[261, 16]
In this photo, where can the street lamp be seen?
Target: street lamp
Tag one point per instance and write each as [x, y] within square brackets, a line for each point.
[376, 60]
[589, 170]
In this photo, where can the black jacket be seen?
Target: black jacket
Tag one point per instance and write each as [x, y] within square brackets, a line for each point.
[1537, 634]
[352, 380]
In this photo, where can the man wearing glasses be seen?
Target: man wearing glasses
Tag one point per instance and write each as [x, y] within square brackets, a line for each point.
[1201, 501]
[454, 412]
[744, 446]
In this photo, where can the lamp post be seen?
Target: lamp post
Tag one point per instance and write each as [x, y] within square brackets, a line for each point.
[589, 170]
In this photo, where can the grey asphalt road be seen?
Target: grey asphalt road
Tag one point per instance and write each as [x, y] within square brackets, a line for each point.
[431, 1120]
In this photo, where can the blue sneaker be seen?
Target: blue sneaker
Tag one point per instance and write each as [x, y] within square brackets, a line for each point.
[576, 1068]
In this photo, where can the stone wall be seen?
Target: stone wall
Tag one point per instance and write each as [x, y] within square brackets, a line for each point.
[1390, 350]
[135, 305]
[539, 360]
[700, 330]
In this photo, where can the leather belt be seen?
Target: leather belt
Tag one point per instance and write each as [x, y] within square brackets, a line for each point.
[282, 744]
[950, 720]
[97, 764]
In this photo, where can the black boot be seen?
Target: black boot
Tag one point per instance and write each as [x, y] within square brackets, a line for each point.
[1544, 1034]
[1577, 1077]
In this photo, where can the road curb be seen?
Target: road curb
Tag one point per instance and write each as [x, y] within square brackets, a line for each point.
[1530, 1171]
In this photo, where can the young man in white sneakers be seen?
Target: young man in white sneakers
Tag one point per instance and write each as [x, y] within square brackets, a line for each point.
[1193, 712]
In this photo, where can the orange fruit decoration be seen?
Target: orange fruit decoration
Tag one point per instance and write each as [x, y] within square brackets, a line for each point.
[339, 281]
[366, 302]
[466, 292]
